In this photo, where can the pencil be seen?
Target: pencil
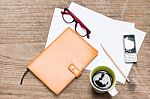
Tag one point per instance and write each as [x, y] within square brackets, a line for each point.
[115, 64]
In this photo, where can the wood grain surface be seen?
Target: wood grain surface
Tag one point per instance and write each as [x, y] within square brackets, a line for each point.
[24, 26]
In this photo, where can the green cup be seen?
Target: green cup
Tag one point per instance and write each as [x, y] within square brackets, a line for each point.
[111, 90]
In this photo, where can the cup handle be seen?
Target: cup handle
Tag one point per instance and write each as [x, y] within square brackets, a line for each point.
[113, 92]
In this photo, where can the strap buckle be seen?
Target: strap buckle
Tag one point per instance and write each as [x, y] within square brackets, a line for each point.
[74, 70]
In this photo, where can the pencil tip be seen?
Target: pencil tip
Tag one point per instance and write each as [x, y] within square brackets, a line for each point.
[128, 80]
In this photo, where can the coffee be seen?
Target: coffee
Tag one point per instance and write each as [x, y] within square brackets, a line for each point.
[102, 80]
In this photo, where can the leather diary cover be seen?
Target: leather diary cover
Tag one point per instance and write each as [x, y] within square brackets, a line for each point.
[63, 60]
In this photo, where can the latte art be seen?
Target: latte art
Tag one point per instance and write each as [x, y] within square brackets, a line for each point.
[102, 80]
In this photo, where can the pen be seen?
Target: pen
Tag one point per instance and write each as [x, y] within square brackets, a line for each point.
[115, 64]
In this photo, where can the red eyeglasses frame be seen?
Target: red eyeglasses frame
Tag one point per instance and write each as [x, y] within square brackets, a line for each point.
[77, 20]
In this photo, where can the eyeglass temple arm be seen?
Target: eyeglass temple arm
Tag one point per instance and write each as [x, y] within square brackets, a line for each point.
[82, 25]
[79, 21]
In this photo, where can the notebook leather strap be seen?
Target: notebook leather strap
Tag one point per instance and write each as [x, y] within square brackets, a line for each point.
[74, 70]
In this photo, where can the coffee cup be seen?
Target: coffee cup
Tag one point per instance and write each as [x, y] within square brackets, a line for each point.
[103, 79]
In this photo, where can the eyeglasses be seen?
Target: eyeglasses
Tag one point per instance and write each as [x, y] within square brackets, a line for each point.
[69, 17]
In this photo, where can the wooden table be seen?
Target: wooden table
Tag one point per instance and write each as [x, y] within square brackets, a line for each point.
[24, 26]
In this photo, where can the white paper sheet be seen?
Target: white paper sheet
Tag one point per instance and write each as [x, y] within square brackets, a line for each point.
[104, 30]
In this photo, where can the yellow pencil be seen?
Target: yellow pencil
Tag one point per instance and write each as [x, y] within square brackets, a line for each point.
[115, 64]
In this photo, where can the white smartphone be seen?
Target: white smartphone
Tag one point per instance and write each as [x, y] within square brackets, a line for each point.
[130, 55]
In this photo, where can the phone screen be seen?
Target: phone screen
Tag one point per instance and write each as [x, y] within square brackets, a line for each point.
[129, 44]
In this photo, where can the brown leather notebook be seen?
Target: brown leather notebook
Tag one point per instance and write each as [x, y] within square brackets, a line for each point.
[63, 60]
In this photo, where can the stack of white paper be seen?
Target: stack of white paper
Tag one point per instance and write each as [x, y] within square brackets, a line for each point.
[104, 30]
